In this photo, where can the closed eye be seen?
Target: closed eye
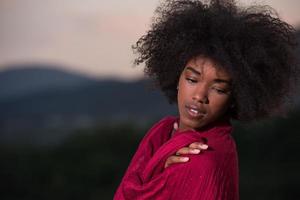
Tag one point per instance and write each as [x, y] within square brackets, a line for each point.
[221, 91]
[190, 80]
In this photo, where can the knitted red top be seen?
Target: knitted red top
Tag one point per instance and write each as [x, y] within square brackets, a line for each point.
[210, 175]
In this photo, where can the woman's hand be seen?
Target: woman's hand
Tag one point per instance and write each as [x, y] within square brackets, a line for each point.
[193, 148]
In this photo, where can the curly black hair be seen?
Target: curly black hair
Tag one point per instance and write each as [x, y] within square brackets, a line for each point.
[253, 44]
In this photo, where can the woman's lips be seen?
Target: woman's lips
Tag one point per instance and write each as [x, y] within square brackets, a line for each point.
[194, 111]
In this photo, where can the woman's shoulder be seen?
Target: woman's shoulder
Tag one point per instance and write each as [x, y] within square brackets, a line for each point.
[163, 125]
[167, 119]
[159, 132]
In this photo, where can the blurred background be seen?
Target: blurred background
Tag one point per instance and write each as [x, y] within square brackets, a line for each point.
[73, 108]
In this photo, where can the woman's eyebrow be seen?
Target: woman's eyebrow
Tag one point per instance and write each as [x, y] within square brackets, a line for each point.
[193, 70]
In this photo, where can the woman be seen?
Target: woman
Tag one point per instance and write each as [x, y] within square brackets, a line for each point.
[218, 62]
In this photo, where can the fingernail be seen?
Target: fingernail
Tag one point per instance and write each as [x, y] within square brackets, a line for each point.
[195, 151]
[184, 159]
[203, 146]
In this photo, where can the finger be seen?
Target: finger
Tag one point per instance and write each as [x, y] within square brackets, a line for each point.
[175, 159]
[187, 150]
[198, 145]
[175, 126]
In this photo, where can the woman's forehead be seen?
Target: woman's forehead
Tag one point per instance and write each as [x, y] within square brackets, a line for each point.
[201, 64]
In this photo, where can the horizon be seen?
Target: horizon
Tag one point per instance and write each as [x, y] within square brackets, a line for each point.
[46, 67]
[93, 38]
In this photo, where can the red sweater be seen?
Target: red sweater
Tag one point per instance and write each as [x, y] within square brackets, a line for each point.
[210, 175]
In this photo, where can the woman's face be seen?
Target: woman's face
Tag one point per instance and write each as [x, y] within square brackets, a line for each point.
[204, 93]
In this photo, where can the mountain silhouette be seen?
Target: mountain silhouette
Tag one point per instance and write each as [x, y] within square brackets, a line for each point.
[24, 80]
[32, 101]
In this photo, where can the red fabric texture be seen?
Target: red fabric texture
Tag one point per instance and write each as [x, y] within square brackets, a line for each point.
[210, 175]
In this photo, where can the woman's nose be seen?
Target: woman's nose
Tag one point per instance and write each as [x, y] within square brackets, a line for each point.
[201, 94]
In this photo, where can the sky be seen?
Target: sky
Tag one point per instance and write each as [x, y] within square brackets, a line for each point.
[92, 37]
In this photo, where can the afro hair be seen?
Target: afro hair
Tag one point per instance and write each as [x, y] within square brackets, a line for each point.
[252, 43]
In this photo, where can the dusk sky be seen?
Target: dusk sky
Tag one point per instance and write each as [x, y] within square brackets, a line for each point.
[92, 37]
